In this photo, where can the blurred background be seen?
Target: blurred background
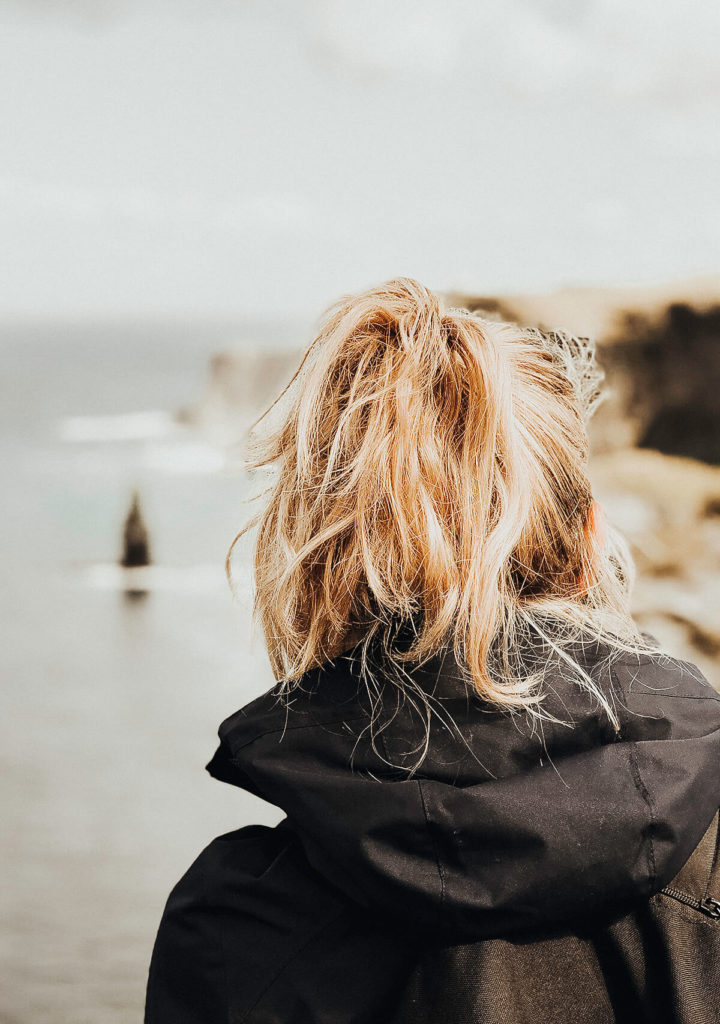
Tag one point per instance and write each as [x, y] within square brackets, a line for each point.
[184, 186]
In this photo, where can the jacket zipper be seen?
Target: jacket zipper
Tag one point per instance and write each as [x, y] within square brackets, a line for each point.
[707, 906]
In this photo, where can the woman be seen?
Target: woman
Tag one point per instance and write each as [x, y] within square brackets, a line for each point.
[501, 798]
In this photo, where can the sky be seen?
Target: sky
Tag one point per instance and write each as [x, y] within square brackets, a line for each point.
[258, 158]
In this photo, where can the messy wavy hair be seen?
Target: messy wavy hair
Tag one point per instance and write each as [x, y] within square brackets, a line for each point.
[431, 470]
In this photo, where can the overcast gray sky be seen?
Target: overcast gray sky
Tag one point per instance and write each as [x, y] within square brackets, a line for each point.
[231, 157]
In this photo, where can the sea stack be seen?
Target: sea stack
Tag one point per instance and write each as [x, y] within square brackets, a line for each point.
[136, 544]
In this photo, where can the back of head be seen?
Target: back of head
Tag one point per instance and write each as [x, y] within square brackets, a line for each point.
[431, 469]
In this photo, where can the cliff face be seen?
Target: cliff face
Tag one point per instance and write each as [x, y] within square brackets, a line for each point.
[672, 368]
[668, 508]
[597, 312]
[241, 384]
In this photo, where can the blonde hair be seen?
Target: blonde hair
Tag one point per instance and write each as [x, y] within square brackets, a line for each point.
[431, 473]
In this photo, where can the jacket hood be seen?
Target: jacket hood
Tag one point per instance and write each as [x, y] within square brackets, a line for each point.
[506, 826]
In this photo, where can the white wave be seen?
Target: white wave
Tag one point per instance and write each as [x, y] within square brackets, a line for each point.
[165, 446]
[191, 458]
[152, 424]
[205, 578]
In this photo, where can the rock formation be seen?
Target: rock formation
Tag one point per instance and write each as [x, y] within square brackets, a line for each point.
[136, 542]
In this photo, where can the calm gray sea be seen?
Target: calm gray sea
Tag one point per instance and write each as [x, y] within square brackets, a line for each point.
[111, 702]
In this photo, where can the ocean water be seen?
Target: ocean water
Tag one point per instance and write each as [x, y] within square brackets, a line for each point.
[111, 699]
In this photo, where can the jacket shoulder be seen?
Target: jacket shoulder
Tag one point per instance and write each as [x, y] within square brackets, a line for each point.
[246, 902]
[664, 697]
[662, 675]
[252, 933]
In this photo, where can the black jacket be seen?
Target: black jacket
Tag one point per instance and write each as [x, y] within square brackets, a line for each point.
[485, 887]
